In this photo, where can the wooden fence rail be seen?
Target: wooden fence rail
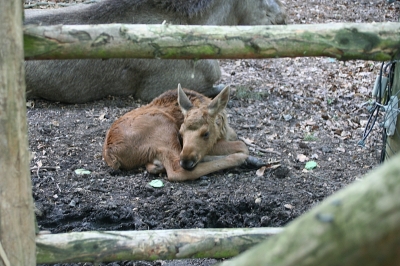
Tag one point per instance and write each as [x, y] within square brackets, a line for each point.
[344, 41]
[148, 245]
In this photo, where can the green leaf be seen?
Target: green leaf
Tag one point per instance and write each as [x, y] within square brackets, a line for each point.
[82, 172]
[310, 165]
[156, 183]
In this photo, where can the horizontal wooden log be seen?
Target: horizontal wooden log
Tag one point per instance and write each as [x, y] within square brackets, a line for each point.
[147, 245]
[344, 41]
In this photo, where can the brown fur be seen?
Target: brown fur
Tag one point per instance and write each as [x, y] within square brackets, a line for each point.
[187, 8]
[83, 80]
[186, 136]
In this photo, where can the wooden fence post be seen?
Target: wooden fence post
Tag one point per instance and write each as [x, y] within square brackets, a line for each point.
[393, 142]
[17, 232]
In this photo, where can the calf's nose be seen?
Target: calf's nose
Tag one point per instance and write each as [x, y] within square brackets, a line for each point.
[187, 164]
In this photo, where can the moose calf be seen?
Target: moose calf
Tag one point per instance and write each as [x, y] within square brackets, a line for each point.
[182, 133]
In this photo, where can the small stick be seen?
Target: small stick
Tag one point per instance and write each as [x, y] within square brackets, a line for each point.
[35, 168]
[258, 147]
[3, 256]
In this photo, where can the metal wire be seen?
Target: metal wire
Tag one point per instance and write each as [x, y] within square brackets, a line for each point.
[374, 111]
[384, 102]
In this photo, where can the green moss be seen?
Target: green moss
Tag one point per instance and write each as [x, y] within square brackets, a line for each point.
[174, 52]
[245, 93]
[35, 45]
[310, 137]
[353, 39]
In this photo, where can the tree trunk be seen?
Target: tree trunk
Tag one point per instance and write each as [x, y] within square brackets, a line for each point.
[344, 41]
[148, 245]
[359, 225]
[17, 235]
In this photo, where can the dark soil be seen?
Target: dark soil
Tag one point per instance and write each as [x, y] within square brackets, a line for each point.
[288, 110]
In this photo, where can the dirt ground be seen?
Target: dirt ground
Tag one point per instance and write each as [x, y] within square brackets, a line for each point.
[287, 110]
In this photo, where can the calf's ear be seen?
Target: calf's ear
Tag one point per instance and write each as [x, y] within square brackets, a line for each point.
[184, 103]
[220, 101]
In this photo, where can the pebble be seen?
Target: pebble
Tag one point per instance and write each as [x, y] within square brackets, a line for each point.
[248, 126]
[178, 193]
[203, 183]
[326, 149]
[303, 145]
[281, 172]
[287, 117]
[72, 203]
[265, 221]
[149, 188]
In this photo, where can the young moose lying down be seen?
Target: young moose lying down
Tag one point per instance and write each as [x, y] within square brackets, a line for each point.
[181, 132]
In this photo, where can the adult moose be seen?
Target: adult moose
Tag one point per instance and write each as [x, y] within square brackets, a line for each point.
[77, 81]
[182, 133]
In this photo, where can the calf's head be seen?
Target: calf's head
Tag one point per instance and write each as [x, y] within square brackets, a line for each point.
[204, 124]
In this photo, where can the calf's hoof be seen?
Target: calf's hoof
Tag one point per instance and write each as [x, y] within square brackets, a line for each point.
[253, 163]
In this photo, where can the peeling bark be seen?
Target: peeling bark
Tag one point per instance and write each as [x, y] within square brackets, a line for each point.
[148, 245]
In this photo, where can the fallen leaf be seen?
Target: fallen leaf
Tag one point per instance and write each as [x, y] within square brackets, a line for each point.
[30, 104]
[287, 117]
[341, 149]
[274, 166]
[102, 116]
[363, 123]
[301, 158]
[288, 206]
[82, 172]
[156, 183]
[310, 165]
[260, 172]
[248, 141]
